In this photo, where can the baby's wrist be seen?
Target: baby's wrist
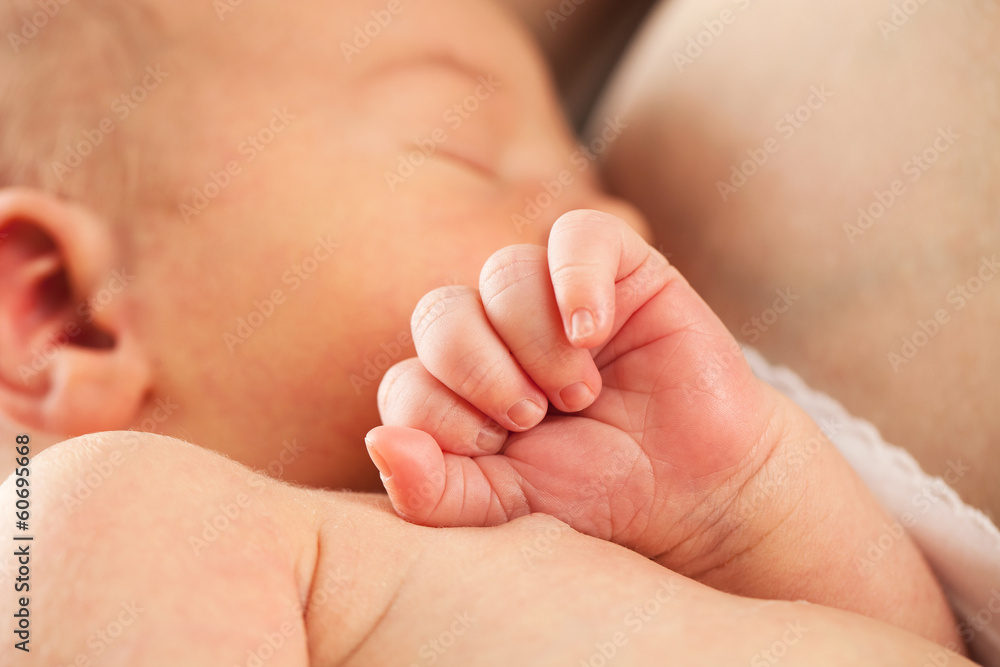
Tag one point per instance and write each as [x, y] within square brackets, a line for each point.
[774, 505]
[804, 511]
[802, 525]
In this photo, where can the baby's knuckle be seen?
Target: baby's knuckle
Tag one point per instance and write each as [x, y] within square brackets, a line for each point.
[557, 358]
[574, 271]
[480, 378]
[434, 306]
[446, 418]
[393, 383]
[509, 266]
[583, 220]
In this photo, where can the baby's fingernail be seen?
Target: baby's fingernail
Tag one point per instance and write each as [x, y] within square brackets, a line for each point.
[582, 324]
[491, 437]
[576, 396]
[525, 414]
[383, 467]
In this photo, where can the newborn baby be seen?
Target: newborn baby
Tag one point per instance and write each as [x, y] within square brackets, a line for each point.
[229, 261]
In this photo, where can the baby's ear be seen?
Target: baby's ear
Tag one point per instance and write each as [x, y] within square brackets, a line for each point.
[70, 363]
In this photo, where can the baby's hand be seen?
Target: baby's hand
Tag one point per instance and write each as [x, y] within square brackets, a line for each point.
[656, 423]
[590, 382]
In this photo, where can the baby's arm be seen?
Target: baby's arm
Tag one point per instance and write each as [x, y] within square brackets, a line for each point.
[674, 449]
[299, 577]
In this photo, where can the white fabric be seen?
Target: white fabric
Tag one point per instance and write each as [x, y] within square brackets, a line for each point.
[961, 544]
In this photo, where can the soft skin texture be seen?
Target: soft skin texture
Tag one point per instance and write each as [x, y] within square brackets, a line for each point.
[336, 579]
[914, 271]
[674, 448]
[309, 240]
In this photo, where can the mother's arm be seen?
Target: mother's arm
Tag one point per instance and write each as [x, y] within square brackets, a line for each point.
[150, 551]
[763, 140]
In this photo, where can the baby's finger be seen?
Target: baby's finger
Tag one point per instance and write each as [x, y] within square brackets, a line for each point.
[457, 345]
[431, 487]
[589, 253]
[410, 396]
[517, 294]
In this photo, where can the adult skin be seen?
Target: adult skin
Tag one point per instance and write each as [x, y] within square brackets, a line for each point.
[874, 201]
[293, 577]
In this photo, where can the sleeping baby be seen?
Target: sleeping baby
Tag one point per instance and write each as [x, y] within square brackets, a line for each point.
[561, 368]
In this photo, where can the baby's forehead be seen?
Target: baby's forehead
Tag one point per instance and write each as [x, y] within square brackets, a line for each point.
[203, 73]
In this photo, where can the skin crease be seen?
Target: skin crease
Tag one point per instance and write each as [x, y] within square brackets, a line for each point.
[785, 229]
[348, 126]
[337, 579]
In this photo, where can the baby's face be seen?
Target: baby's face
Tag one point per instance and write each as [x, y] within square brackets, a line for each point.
[348, 157]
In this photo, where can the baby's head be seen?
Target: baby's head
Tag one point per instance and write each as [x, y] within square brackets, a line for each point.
[216, 218]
